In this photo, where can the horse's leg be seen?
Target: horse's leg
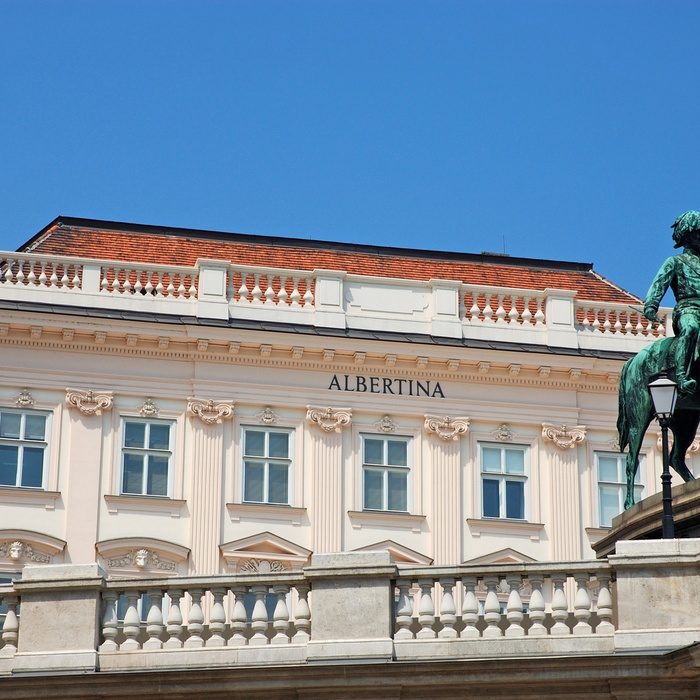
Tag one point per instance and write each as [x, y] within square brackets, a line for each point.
[636, 436]
[684, 426]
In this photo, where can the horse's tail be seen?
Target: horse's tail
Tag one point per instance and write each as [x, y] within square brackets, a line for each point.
[623, 428]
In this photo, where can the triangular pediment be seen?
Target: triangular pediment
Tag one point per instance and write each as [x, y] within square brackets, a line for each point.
[502, 556]
[264, 552]
[399, 553]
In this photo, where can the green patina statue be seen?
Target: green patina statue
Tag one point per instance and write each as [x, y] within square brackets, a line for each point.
[676, 356]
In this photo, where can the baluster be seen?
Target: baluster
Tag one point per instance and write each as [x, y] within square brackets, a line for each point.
[127, 282]
[500, 311]
[76, 277]
[115, 281]
[526, 314]
[149, 284]
[257, 292]
[154, 620]
[308, 295]
[269, 291]
[174, 628]
[618, 324]
[474, 310]
[514, 609]
[628, 324]
[295, 292]
[539, 313]
[560, 608]
[170, 289]
[639, 328]
[53, 280]
[217, 619]
[513, 314]
[606, 324]
[110, 622]
[536, 608]
[302, 618]
[181, 291]
[447, 610]
[192, 291]
[132, 622]
[239, 618]
[282, 294]
[596, 321]
[404, 611]
[19, 277]
[31, 277]
[65, 279]
[582, 605]
[104, 285]
[470, 608]
[159, 286]
[661, 329]
[42, 275]
[488, 311]
[281, 615]
[426, 610]
[492, 608]
[243, 289]
[259, 619]
[195, 620]
[604, 606]
[6, 275]
[10, 630]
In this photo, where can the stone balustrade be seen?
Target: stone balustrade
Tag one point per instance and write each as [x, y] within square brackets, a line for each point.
[356, 605]
[216, 289]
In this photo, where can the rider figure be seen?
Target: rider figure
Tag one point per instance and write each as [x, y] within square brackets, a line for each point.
[682, 274]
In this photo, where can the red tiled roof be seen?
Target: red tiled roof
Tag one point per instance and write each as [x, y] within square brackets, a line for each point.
[181, 247]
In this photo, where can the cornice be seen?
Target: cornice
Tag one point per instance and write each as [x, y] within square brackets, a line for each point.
[567, 376]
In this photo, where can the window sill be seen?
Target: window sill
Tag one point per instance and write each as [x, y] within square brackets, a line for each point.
[265, 511]
[29, 497]
[503, 526]
[145, 504]
[378, 518]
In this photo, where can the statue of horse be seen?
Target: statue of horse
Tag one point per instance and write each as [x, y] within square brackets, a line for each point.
[636, 410]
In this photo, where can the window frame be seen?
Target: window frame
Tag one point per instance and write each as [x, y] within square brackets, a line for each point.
[385, 469]
[123, 450]
[503, 477]
[22, 442]
[291, 458]
[620, 458]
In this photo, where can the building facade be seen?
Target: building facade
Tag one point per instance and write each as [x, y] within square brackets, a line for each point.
[181, 403]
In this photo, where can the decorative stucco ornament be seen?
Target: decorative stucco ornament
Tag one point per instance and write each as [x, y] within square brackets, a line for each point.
[386, 425]
[564, 437]
[25, 399]
[17, 550]
[210, 412]
[267, 416]
[504, 434]
[149, 409]
[329, 419]
[88, 402]
[141, 558]
[446, 428]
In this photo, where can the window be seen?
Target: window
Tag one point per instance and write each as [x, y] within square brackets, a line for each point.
[612, 485]
[267, 465]
[23, 448]
[385, 472]
[146, 457]
[503, 481]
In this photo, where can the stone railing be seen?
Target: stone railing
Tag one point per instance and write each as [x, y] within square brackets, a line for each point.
[356, 606]
[217, 289]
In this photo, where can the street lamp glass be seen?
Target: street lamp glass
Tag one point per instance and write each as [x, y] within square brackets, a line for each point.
[663, 395]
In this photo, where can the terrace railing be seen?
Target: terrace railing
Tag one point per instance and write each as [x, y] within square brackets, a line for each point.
[329, 298]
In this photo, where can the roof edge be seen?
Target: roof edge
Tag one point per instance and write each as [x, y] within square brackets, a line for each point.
[251, 239]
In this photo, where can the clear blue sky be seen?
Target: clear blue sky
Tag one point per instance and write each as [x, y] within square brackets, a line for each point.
[568, 129]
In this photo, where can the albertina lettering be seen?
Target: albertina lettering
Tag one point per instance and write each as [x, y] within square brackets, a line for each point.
[386, 385]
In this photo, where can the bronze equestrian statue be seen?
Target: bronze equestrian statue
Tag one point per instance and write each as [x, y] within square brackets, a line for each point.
[677, 357]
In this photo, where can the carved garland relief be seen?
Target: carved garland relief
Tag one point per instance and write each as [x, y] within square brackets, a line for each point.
[446, 428]
[564, 437]
[89, 403]
[210, 412]
[329, 419]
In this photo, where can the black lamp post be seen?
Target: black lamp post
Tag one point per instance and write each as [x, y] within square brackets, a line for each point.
[664, 392]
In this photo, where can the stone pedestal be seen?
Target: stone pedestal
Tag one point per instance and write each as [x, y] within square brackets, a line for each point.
[657, 594]
[60, 619]
[352, 604]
